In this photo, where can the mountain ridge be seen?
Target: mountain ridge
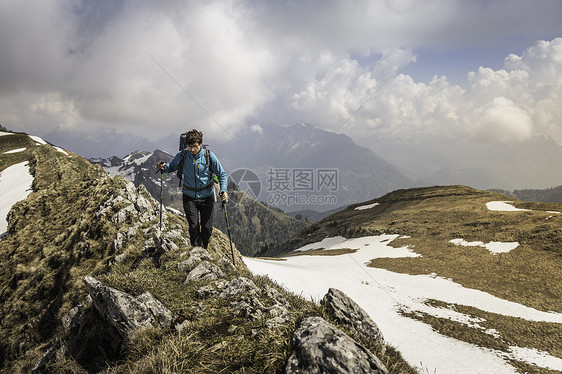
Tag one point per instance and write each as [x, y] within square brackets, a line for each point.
[83, 233]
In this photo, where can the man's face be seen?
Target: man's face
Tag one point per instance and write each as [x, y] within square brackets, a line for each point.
[194, 148]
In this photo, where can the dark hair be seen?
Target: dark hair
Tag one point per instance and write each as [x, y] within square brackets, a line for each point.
[193, 137]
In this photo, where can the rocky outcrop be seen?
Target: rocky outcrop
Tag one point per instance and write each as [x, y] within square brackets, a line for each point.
[204, 271]
[125, 312]
[196, 255]
[319, 347]
[346, 311]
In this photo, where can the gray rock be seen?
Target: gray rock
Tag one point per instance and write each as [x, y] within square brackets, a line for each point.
[277, 310]
[122, 215]
[204, 271]
[347, 312]
[196, 255]
[249, 307]
[319, 347]
[74, 320]
[275, 322]
[238, 286]
[177, 235]
[118, 242]
[143, 206]
[274, 295]
[41, 365]
[121, 258]
[131, 232]
[125, 312]
[212, 289]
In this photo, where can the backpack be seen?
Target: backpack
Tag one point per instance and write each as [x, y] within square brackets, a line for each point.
[179, 173]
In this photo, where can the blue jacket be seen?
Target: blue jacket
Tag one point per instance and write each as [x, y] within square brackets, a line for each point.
[197, 174]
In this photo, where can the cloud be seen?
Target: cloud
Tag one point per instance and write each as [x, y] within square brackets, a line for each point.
[162, 67]
[501, 121]
[506, 105]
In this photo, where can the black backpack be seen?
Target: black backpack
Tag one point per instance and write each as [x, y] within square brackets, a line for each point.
[184, 151]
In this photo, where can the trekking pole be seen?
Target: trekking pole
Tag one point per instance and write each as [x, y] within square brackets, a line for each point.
[228, 230]
[161, 194]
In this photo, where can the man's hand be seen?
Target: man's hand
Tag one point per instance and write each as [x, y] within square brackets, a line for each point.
[224, 196]
[161, 165]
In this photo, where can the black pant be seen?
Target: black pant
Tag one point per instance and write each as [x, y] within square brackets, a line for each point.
[199, 234]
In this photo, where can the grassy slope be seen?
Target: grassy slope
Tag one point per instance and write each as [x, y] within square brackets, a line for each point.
[432, 216]
[53, 243]
[55, 239]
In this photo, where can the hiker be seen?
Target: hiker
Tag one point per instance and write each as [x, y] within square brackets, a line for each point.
[198, 186]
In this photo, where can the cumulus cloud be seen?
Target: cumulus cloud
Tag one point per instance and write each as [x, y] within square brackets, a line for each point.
[505, 105]
[502, 121]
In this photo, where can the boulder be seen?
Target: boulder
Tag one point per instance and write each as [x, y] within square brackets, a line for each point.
[125, 312]
[275, 295]
[248, 306]
[204, 271]
[238, 286]
[320, 347]
[73, 321]
[211, 289]
[343, 309]
[196, 255]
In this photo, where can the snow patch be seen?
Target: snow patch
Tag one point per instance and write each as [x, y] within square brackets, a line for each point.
[364, 207]
[15, 150]
[504, 206]
[552, 212]
[37, 139]
[535, 357]
[493, 247]
[2, 133]
[62, 151]
[137, 160]
[339, 242]
[15, 185]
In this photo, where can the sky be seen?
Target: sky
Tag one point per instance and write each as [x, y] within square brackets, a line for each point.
[482, 70]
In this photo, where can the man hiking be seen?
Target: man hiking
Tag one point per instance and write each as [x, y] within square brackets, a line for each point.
[199, 165]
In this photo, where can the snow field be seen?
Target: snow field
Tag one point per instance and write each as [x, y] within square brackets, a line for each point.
[15, 185]
[504, 206]
[383, 294]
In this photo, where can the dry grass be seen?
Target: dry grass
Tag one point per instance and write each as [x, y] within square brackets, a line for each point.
[56, 240]
[322, 252]
[430, 217]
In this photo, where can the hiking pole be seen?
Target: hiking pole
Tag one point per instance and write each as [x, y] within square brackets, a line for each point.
[161, 194]
[228, 230]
